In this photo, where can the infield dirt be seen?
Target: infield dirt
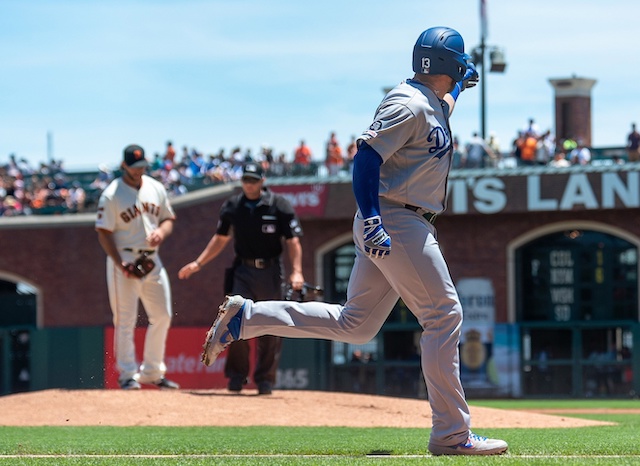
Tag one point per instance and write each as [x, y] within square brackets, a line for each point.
[154, 407]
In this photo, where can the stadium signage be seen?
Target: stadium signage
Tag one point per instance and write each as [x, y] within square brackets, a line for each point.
[544, 192]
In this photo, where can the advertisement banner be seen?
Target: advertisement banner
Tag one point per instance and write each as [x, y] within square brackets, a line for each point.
[184, 346]
[476, 342]
[307, 200]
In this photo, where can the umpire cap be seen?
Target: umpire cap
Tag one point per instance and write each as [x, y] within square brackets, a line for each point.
[252, 170]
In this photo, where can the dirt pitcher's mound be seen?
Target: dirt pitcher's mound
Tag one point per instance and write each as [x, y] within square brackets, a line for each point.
[220, 408]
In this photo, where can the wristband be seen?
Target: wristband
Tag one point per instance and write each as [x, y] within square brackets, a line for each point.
[456, 91]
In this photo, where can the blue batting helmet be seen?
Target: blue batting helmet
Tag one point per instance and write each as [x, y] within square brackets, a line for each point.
[440, 50]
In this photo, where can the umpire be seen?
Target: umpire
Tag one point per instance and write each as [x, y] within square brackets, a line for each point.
[260, 219]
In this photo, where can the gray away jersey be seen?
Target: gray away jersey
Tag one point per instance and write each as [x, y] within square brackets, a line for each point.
[411, 133]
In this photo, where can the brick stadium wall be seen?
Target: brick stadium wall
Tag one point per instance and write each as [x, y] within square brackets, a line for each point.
[66, 263]
[62, 258]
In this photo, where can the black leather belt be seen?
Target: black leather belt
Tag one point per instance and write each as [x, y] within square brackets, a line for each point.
[428, 216]
[259, 263]
[139, 251]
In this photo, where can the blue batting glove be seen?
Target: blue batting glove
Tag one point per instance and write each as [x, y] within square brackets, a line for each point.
[470, 78]
[377, 242]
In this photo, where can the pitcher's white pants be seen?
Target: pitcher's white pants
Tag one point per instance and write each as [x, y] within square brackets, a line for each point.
[415, 271]
[155, 293]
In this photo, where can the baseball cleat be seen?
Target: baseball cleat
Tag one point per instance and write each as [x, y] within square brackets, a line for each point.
[166, 384]
[225, 329]
[130, 384]
[475, 445]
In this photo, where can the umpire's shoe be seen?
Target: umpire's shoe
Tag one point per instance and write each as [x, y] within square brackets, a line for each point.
[225, 329]
[475, 445]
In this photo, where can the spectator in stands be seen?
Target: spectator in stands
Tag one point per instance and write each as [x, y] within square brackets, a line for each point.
[211, 163]
[301, 160]
[76, 198]
[478, 153]
[494, 143]
[176, 189]
[157, 163]
[170, 153]
[20, 192]
[25, 167]
[105, 176]
[532, 128]
[196, 165]
[236, 159]
[184, 158]
[581, 155]
[265, 157]
[12, 167]
[560, 160]
[545, 148]
[569, 144]
[633, 145]
[9, 207]
[302, 156]
[280, 167]
[43, 169]
[527, 144]
[217, 167]
[221, 172]
[457, 155]
[334, 159]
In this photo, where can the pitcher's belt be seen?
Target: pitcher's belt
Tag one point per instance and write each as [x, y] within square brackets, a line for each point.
[428, 216]
[259, 263]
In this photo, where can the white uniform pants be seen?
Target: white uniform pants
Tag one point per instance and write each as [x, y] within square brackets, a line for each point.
[416, 271]
[155, 293]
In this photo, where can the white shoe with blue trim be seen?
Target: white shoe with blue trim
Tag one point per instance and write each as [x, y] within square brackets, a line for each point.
[225, 329]
[475, 445]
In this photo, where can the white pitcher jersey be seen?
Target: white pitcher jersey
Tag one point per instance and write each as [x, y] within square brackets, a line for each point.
[131, 214]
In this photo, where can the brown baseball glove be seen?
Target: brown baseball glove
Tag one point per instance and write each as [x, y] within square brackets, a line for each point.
[141, 266]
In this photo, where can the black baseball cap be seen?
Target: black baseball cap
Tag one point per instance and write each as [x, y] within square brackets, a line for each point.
[134, 156]
[252, 170]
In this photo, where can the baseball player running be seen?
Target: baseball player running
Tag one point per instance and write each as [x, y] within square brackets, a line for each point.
[400, 182]
[134, 217]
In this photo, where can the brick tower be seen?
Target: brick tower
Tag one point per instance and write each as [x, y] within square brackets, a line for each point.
[573, 108]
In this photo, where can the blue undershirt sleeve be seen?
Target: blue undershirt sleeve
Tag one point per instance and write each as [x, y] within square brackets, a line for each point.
[366, 180]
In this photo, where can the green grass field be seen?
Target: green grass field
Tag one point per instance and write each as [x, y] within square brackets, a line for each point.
[608, 445]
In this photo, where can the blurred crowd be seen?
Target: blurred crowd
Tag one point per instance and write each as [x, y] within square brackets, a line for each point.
[25, 189]
[529, 147]
[49, 189]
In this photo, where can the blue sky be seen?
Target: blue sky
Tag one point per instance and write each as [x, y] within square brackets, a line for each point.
[99, 75]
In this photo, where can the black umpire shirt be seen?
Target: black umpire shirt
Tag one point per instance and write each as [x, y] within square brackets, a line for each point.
[259, 225]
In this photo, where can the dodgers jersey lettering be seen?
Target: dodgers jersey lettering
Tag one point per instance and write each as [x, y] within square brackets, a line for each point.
[411, 133]
[133, 213]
